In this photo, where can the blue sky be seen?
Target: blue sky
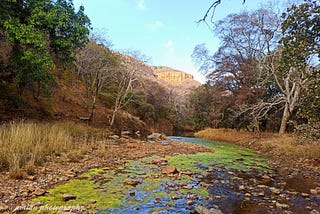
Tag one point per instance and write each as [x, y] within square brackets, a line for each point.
[165, 30]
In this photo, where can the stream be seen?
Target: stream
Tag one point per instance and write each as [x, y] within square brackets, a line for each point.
[230, 179]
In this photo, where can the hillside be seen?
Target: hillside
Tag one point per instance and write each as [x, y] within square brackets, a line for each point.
[149, 109]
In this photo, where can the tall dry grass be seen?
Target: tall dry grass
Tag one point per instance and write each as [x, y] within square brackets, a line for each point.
[26, 144]
[284, 146]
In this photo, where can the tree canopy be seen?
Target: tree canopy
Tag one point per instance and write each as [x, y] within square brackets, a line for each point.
[41, 33]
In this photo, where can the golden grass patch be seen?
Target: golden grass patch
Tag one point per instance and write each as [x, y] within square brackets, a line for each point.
[285, 146]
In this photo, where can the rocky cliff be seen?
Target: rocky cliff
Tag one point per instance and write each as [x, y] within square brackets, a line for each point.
[172, 76]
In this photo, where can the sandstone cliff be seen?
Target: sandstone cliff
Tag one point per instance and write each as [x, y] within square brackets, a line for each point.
[172, 76]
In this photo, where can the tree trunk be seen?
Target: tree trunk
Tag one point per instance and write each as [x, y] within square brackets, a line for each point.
[285, 118]
[113, 118]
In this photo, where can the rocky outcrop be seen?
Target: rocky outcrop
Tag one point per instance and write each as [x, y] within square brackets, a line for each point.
[172, 76]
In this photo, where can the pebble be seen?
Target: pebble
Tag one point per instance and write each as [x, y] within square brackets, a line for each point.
[131, 182]
[275, 190]
[241, 187]
[282, 206]
[189, 202]
[313, 191]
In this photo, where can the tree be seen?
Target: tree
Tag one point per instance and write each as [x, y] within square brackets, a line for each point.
[290, 64]
[236, 68]
[96, 65]
[124, 79]
[137, 55]
[39, 32]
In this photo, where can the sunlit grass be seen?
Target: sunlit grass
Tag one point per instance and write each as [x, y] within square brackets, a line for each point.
[24, 145]
[270, 143]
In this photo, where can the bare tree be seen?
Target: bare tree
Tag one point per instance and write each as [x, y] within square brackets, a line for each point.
[124, 80]
[291, 85]
[94, 64]
[137, 55]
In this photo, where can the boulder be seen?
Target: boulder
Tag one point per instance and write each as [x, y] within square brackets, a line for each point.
[170, 170]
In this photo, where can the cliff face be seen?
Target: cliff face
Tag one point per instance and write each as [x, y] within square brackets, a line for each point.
[172, 76]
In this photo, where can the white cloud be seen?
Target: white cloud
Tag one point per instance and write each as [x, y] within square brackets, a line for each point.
[141, 5]
[154, 26]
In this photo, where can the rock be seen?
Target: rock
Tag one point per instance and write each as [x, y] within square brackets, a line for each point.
[188, 172]
[160, 161]
[266, 177]
[37, 203]
[125, 133]
[174, 197]
[282, 206]
[248, 195]
[133, 193]
[231, 173]
[131, 182]
[202, 210]
[170, 170]
[189, 202]
[156, 200]
[92, 201]
[67, 197]
[32, 177]
[114, 137]
[3, 207]
[218, 197]
[314, 212]
[155, 137]
[241, 187]
[39, 192]
[261, 194]
[305, 194]
[274, 190]
[313, 191]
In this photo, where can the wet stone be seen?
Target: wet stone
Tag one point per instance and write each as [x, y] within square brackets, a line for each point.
[189, 202]
[67, 197]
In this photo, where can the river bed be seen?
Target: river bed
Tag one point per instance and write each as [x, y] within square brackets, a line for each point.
[230, 179]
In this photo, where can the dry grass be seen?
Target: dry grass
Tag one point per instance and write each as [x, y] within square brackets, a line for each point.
[225, 135]
[284, 146]
[24, 145]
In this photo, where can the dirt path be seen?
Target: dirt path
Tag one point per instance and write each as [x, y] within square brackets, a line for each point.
[59, 170]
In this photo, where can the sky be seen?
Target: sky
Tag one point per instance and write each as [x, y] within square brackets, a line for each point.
[165, 30]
